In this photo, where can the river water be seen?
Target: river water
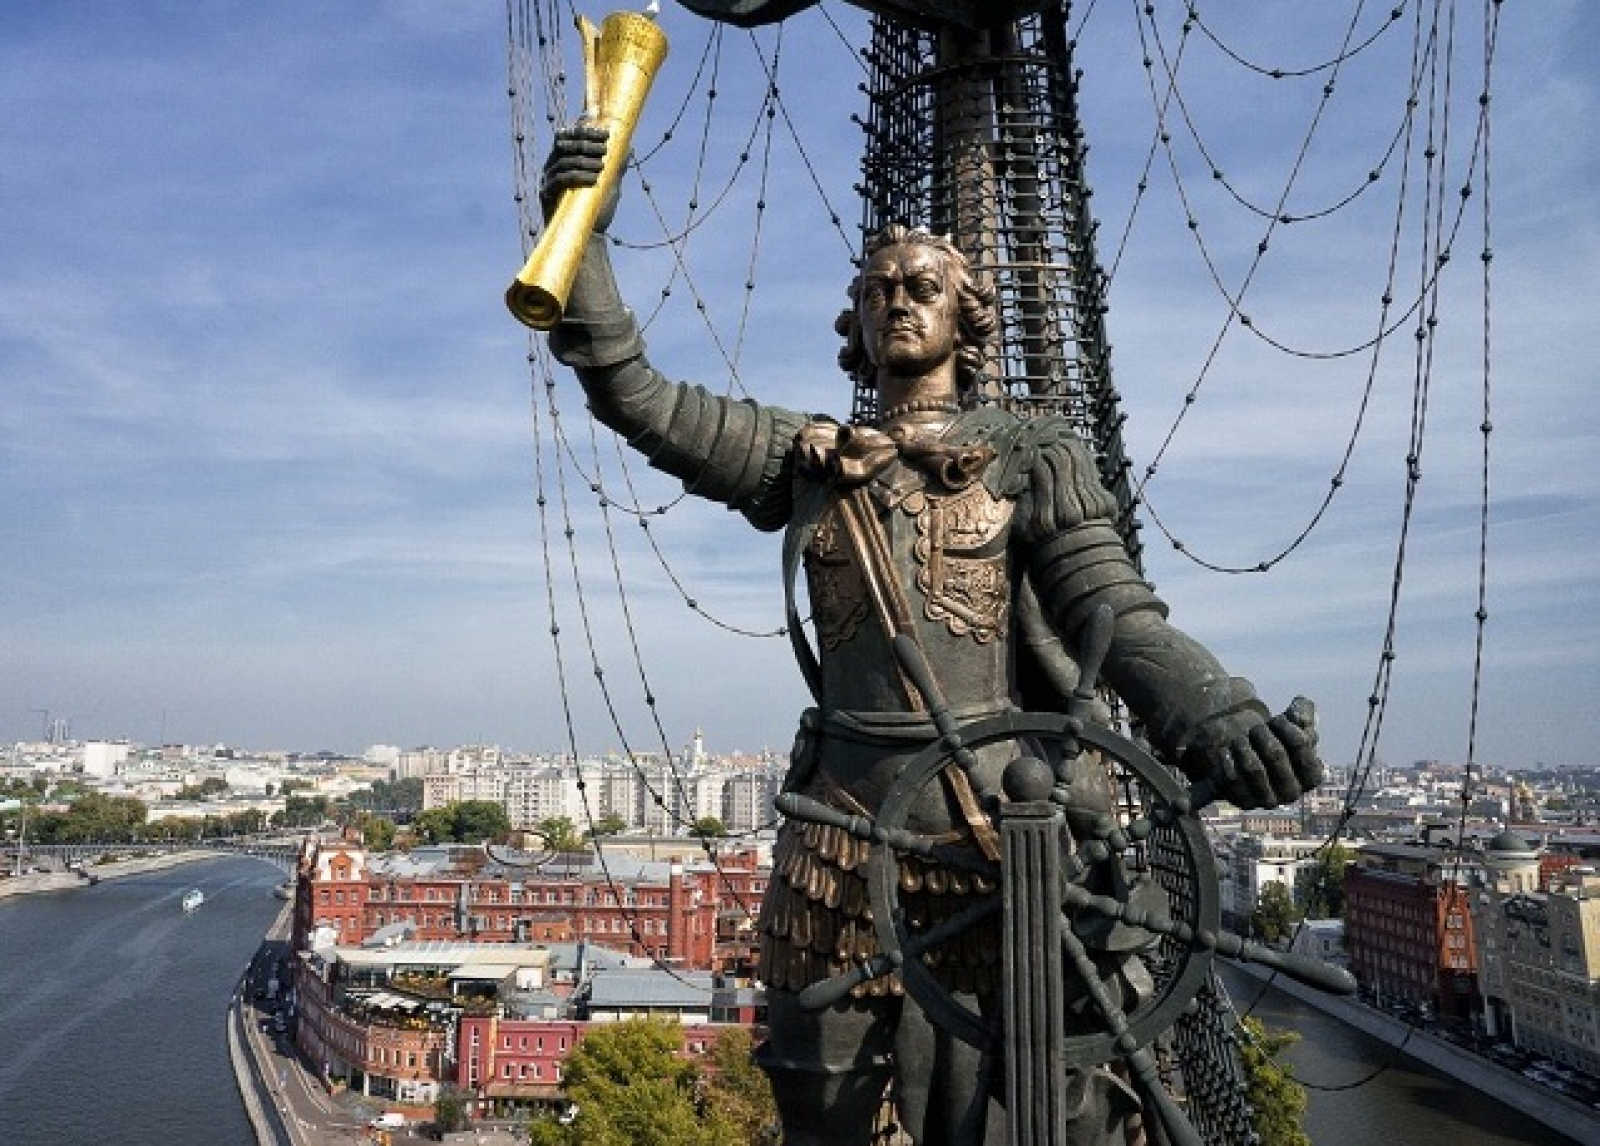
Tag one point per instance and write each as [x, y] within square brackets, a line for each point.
[113, 1005]
[1405, 1103]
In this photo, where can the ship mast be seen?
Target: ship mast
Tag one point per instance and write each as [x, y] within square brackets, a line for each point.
[973, 131]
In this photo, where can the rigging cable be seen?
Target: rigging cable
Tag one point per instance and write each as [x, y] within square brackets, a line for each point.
[1426, 337]
[1425, 49]
[772, 99]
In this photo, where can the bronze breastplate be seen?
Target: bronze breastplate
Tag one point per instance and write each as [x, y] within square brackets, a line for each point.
[949, 557]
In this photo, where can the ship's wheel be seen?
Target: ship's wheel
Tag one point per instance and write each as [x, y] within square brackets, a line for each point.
[1132, 880]
[1132, 832]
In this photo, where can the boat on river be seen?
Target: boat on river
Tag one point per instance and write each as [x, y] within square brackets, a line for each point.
[193, 900]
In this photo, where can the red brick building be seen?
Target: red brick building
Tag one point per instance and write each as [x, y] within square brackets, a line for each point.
[403, 1020]
[1408, 930]
[398, 1055]
[674, 912]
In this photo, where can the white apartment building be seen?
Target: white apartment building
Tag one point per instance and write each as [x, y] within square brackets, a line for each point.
[418, 763]
[104, 758]
[471, 756]
[651, 795]
[672, 797]
[747, 799]
[1249, 863]
[1539, 954]
[613, 790]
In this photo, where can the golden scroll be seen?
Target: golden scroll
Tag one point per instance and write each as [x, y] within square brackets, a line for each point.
[620, 63]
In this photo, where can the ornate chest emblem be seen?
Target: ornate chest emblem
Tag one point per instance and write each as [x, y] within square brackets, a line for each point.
[839, 600]
[961, 557]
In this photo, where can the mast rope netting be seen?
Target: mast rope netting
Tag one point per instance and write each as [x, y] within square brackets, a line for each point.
[759, 144]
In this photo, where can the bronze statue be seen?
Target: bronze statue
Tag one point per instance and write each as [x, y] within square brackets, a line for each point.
[941, 524]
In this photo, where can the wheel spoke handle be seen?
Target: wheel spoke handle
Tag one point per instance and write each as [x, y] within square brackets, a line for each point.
[1301, 968]
[1140, 1064]
[820, 996]
[1147, 1080]
[1305, 969]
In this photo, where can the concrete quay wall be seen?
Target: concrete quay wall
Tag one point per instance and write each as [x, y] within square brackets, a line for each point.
[268, 1127]
[67, 880]
[1552, 1108]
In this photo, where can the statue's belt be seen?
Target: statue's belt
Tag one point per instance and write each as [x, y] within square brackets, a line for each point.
[895, 731]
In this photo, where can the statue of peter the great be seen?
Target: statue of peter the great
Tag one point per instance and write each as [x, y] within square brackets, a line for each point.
[935, 522]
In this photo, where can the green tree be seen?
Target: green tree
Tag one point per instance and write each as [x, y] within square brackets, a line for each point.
[46, 827]
[1322, 889]
[738, 1089]
[463, 822]
[95, 817]
[708, 828]
[480, 820]
[388, 796]
[246, 822]
[1279, 1101]
[377, 832]
[627, 1086]
[450, 1110]
[612, 825]
[302, 811]
[436, 825]
[559, 834]
[1275, 914]
[207, 788]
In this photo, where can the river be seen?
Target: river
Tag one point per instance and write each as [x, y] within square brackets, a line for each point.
[1404, 1104]
[113, 1004]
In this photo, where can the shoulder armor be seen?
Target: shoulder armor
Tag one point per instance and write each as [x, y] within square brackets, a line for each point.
[1019, 444]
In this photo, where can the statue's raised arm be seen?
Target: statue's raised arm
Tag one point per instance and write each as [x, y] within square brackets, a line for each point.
[736, 453]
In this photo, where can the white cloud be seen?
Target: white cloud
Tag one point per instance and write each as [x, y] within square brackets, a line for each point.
[268, 448]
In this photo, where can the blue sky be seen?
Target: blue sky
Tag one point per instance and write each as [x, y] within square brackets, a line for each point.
[270, 449]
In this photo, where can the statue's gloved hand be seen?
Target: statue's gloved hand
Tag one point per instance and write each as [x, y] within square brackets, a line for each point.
[575, 160]
[1254, 761]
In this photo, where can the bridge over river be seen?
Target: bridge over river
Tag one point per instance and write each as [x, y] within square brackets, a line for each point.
[282, 849]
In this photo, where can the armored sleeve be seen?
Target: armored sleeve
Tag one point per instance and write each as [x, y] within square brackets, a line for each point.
[734, 452]
[1077, 562]
[1075, 556]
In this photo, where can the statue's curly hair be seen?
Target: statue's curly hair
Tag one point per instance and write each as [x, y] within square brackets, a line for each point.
[976, 320]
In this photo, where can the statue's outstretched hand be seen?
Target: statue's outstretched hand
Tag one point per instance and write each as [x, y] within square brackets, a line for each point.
[575, 160]
[1257, 762]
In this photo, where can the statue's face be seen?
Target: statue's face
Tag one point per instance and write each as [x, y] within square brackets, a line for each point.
[909, 312]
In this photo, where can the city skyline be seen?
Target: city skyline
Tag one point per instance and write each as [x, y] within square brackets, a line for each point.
[270, 456]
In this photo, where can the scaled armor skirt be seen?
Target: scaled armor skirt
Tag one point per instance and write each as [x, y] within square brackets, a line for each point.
[817, 917]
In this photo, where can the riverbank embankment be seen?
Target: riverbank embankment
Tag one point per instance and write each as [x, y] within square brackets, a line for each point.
[46, 881]
[1551, 1108]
